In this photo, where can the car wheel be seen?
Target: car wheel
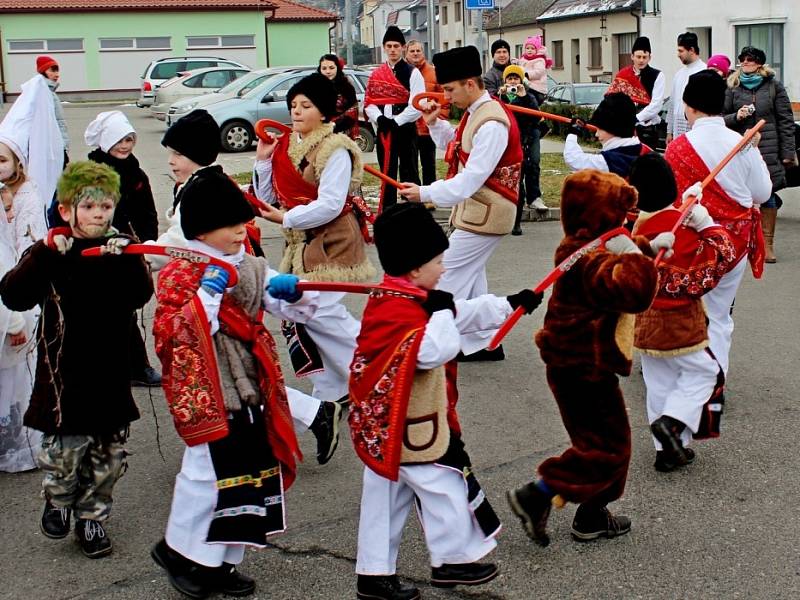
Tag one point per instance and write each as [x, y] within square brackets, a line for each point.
[237, 136]
[365, 140]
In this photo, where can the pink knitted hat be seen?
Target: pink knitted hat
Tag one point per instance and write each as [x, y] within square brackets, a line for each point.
[535, 41]
[721, 63]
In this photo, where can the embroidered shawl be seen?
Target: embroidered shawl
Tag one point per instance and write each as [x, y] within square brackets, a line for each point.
[383, 87]
[627, 82]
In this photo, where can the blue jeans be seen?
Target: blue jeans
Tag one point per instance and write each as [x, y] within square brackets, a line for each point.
[773, 202]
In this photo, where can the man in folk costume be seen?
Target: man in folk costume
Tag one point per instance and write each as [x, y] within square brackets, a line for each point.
[732, 198]
[313, 175]
[403, 417]
[482, 185]
[223, 383]
[683, 378]
[387, 104]
[645, 86]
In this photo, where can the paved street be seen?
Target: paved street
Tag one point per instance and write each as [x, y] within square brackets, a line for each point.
[726, 527]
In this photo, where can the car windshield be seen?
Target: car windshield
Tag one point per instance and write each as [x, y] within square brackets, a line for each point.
[236, 84]
[264, 84]
[590, 94]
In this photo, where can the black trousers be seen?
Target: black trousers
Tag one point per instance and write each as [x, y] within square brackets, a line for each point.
[402, 156]
[138, 352]
[427, 158]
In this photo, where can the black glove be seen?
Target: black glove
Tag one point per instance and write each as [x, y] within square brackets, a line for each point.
[386, 124]
[577, 126]
[439, 300]
[527, 299]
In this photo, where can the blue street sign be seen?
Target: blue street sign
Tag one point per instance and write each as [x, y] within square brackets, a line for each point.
[480, 4]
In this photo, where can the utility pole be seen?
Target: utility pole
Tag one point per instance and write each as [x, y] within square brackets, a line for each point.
[432, 27]
[348, 31]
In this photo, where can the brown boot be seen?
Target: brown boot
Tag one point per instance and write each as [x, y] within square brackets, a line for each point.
[768, 217]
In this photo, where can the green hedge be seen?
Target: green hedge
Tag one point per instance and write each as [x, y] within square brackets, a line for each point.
[569, 111]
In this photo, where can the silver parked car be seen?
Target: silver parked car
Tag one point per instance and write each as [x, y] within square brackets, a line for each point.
[163, 69]
[580, 94]
[237, 116]
[192, 84]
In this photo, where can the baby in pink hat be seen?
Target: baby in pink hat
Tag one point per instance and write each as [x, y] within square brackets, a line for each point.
[535, 62]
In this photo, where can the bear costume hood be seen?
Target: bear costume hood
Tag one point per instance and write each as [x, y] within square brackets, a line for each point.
[594, 202]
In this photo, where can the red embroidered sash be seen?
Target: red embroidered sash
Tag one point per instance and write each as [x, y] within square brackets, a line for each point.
[627, 82]
[743, 224]
[384, 88]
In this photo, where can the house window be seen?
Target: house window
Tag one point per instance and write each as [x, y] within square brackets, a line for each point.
[518, 50]
[443, 11]
[221, 41]
[596, 53]
[625, 43]
[458, 43]
[768, 37]
[651, 7]
[142, 43]
[458, 11]
[445, 46]
[558, 54]
[49, 45]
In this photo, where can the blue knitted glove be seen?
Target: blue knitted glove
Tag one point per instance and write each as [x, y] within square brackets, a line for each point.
[284, 287]
[215, 279]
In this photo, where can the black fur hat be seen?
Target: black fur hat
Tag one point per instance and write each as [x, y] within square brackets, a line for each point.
[196, 136]
[653, 178]
[320, 90]
[616, 114]
[407, 236]
[705, 91]
[393, 34]
[457, 64]
[212, 200]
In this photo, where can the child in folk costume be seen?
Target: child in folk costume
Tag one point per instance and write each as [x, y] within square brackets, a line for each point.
[17, 360]
[403, 419]
[313, 174]
[586, 342]
[683, 379]
[615, 119]
[81, 397]
[482, 187]
[113, 138]
[732, 199]
[224, 387]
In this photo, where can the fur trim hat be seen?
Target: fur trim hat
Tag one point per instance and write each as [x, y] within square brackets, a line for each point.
[196, 136]
[593, 202]
[320, 90]
[84, 174]
[210, 201]
[705, 92]
[107, 129]
[653, 178]
[497, 44]
[642, 43]
[616, 114]
[45, 62]
[514, 70]
[457, 64]
[393, 34]
[394, 230]
[757, 54]
[721, 63]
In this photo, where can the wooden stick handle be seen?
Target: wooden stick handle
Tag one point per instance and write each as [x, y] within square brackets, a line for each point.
[382, 177]
[353, 288]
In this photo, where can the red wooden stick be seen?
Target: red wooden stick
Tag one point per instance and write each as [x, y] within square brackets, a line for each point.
[263, 125]
[355, 288]
[551, 278]
[692, 200]
[173, 252]
[382, 177]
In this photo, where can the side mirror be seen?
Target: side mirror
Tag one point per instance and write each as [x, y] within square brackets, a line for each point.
[267, 99]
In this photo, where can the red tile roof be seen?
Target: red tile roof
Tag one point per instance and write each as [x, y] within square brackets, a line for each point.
[48, 6]
[294, 11]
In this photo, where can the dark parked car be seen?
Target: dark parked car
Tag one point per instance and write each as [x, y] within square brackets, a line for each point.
[580, 94]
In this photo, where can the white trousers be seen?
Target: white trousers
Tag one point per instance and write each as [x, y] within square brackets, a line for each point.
[304, 409]
[193, 504]
[678, 387]
[334, 331]
[465, 276]
[719, 303]
[451, 532]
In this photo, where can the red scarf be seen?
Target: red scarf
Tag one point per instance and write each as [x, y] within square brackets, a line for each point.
[382, 374]
[384, 88]
[191, 378]
[628, 82]
[743, 224]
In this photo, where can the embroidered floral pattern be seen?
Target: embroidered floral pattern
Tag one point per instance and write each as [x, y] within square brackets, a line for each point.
[698, 279]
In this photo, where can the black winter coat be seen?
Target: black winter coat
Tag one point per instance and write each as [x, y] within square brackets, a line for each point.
[526, 123]
[135, 214]
[90, 359]
[777, 135]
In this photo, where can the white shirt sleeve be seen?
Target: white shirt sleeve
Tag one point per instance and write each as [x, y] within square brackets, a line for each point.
[651, 111]
[333, 186]
[372, 112]
[577, 159]
[441, 342]
[442, 133]
[483, 313]
[262, 181]
[416, 86]
[211, 304]
[489, 144]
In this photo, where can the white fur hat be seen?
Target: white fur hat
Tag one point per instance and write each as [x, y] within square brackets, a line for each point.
[107, 129]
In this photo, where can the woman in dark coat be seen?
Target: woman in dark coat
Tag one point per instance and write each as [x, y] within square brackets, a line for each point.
[346, 118]
[754, 85]
[114, 138]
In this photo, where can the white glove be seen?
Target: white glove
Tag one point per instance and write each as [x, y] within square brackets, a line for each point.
[663, 241]
[622, 244]
[699, 218]
[115, 246]
[62, 243]
[696, 190]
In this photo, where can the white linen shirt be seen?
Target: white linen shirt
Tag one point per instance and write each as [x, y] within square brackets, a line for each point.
[410, 114]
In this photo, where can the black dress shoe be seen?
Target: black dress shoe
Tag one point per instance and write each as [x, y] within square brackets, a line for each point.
[149, 377]
[55, 521]
[483, 355]
[532, 506]
[326, 429]
[186, 576]
[665, 462]
[592, 523]
[517, 230]
[384, 587]
[668, 431]
[92, 537]
[448, 576]
[227, 580]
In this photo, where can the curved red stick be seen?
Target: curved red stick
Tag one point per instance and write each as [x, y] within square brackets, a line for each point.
[263, 125]
[355, 288]
[173, 252]
[552, 277]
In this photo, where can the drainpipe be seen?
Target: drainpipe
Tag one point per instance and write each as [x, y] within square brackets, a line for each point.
[267, 19]
[332, 36]
[638, 18]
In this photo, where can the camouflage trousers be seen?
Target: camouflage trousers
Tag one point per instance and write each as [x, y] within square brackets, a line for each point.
[80, 471]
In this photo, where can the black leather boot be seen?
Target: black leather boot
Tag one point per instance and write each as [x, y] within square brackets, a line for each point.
[448, 576]
[188, 577]
[384, 587]
[591, 523]
[326, 429]
[92, 537]
[55, 521]
[532, 506]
